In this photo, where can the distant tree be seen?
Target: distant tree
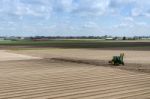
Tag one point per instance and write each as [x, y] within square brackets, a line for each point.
[115, 38]
[124, 38]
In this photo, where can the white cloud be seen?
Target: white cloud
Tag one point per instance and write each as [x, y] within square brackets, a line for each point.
[42, 8]
[23, 8]
[91, 7]
[67, 5]
[129, 22]
[142, 8]
[81, 12]
[90, 24]
[129, 19]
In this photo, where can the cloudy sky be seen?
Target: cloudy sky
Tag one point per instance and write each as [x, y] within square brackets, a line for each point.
[74, 17]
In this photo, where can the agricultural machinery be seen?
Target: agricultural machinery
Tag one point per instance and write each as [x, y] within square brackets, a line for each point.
[117, 60]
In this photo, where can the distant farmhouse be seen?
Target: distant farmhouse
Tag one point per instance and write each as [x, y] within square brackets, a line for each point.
[109, 38]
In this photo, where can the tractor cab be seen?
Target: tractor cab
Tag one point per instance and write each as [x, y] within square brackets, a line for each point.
[117, 60]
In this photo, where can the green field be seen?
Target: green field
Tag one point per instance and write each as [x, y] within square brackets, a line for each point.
[81, 43]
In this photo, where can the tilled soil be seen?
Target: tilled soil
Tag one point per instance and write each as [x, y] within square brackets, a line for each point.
[51, 79]
[72, 74]
[134, 60]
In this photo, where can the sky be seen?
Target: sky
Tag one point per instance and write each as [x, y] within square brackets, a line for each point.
[74, 17]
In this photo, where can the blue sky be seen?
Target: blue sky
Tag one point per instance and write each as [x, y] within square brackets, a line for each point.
[74, 17]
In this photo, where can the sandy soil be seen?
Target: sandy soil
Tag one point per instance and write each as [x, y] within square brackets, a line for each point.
[83, 75]
[5, 56]
[94, 54]
[134, 60]
[49, 79]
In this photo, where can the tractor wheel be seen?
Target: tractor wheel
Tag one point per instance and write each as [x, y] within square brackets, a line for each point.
[110, 62]
[123, 63]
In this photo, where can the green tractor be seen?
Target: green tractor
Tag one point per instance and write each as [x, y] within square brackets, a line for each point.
[117, 60]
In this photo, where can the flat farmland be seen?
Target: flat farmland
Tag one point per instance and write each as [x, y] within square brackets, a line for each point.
[73, 73]
[143, 45]
[49, 79]
[135, 60]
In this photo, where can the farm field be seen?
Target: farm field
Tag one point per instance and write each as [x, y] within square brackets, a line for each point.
[73, 73]
[135, 60]
[79, 43]
[74, 49]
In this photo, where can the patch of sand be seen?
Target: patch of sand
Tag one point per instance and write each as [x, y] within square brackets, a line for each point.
[7, 56]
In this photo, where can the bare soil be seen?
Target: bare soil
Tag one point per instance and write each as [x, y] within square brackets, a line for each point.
[6, 56]
[58, 73]
[51, 79]
[134, 60]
